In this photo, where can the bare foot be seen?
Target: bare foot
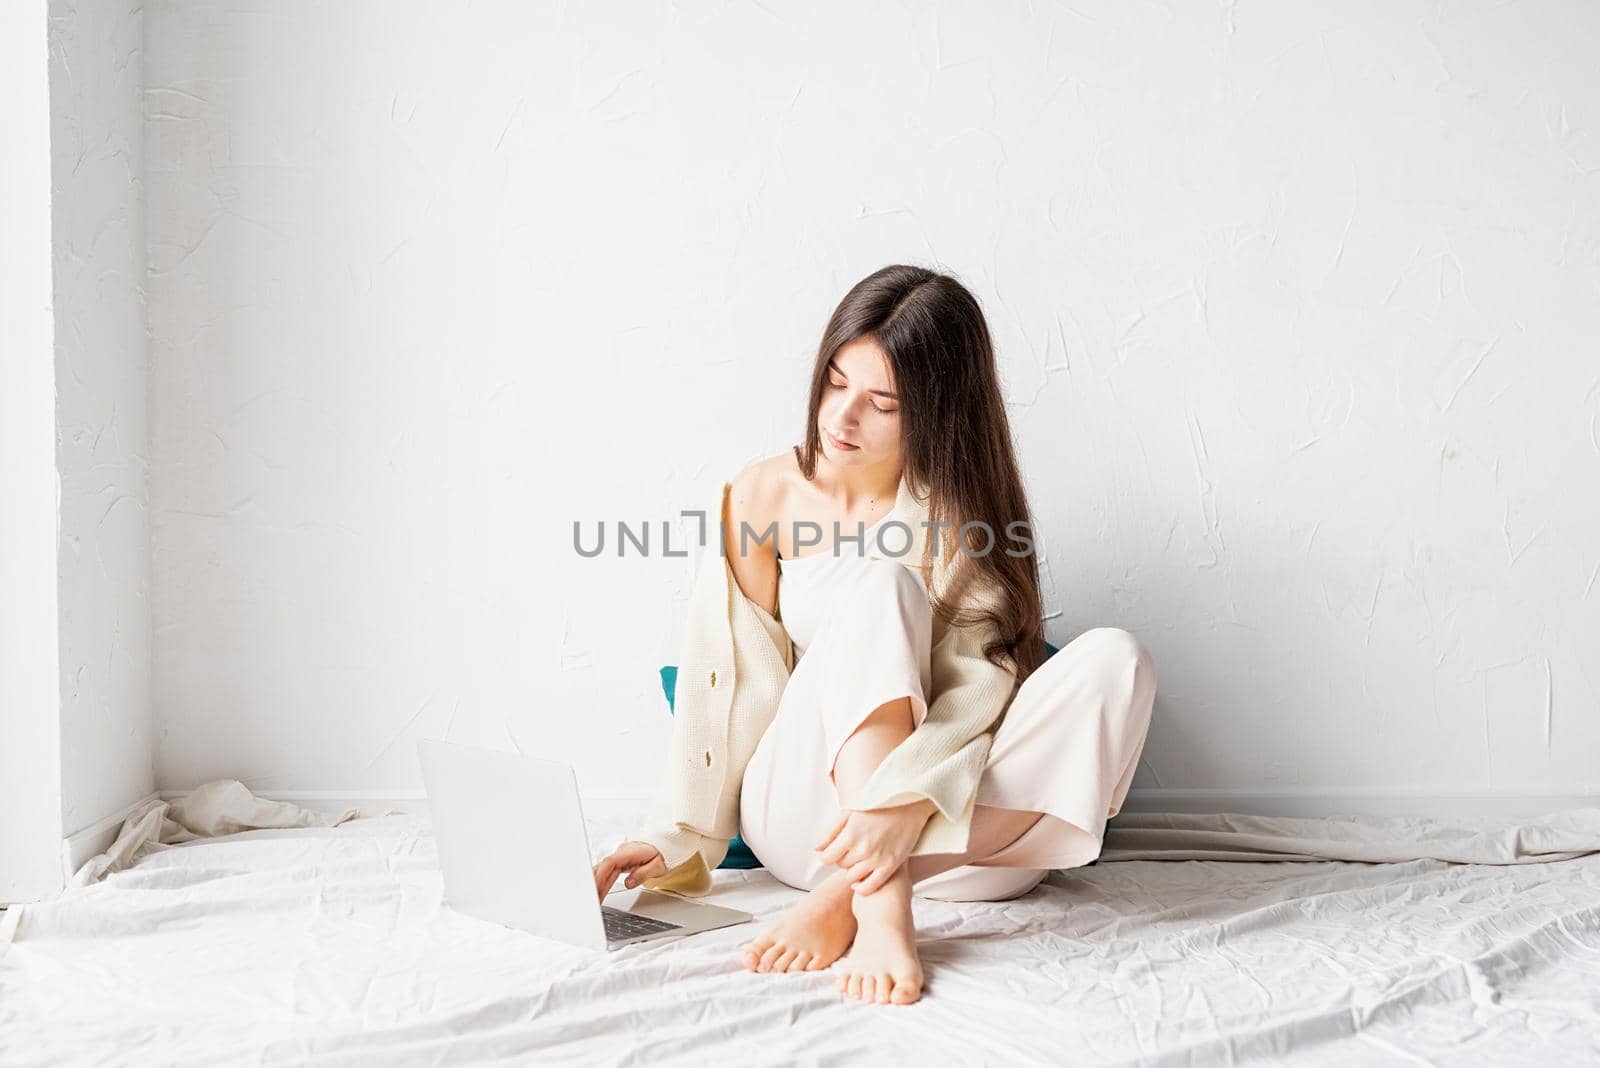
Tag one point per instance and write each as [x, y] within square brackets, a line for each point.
[882, 965]
[811, 935]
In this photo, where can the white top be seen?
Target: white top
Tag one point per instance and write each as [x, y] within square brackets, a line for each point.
[807, 583]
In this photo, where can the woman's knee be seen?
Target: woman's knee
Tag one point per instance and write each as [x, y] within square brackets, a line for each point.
[1116, 654]
[881, 590]
[880, 580]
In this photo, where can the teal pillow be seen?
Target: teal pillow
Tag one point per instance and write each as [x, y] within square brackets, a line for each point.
[739, 854]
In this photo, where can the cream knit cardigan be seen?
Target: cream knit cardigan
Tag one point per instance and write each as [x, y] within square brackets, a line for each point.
[733, 664]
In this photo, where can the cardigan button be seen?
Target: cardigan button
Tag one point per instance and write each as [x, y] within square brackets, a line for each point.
[708, 758]
[713, 678]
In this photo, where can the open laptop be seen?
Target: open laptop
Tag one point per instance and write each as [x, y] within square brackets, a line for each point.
[514, 850]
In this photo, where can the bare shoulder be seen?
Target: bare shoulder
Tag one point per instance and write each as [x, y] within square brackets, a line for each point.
[758, 493]
[755, 500]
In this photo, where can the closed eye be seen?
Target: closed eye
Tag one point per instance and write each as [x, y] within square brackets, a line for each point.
[831, 384]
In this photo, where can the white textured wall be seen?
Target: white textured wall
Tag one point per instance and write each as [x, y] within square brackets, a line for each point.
[30, 741]
[97, 213]
[1297, 307]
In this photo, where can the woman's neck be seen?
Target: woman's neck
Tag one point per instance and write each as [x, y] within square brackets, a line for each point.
[853, 486]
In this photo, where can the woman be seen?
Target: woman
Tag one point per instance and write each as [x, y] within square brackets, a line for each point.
[890, 728]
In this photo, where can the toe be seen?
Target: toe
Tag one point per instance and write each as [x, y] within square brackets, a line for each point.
[884, 987]
[801, 960]
[767, 958]
[869, 988]
[753, 951]
[852, 986]
[784, 960]
[906, 992]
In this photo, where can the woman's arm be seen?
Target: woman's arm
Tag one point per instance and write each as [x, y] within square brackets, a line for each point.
[752, 504]
[733, 665]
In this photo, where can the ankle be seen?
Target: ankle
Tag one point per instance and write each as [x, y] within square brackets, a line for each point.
[838, 882]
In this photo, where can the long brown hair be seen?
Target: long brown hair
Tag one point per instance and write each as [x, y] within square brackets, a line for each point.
[955, 441]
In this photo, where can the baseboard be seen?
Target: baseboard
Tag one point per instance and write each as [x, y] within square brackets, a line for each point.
[95, 838]
[1433, 803]
[409, 802]
[1513, 802]
[1438, 803]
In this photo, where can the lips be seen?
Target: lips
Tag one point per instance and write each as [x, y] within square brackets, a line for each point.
[840, 444]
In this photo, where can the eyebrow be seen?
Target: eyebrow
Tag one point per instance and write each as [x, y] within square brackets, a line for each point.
[880, 392]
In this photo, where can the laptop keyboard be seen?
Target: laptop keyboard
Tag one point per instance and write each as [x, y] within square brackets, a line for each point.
[620, 924]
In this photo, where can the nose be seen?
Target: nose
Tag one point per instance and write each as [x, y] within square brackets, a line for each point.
[850, 415]
[847, 414]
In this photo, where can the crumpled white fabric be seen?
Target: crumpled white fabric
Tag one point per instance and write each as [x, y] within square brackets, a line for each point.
[335, 946]
[223, 806]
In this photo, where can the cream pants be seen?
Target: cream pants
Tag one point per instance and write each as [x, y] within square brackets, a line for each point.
[1067, 746]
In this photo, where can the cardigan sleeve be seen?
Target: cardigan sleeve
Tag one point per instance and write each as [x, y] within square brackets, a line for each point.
[690, 856]
[943, 758]
[733, 665]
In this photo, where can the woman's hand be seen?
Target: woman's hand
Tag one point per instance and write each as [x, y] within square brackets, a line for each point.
[640, 860]
[873, 844]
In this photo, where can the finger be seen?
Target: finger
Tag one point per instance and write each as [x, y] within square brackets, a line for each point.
[842, 852]
[873, 881]
[844, 817]
[860, 871]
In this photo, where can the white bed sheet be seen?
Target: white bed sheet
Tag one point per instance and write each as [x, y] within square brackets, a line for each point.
[329, 945]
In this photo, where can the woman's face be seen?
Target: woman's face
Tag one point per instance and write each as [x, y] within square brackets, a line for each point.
[859, 417]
